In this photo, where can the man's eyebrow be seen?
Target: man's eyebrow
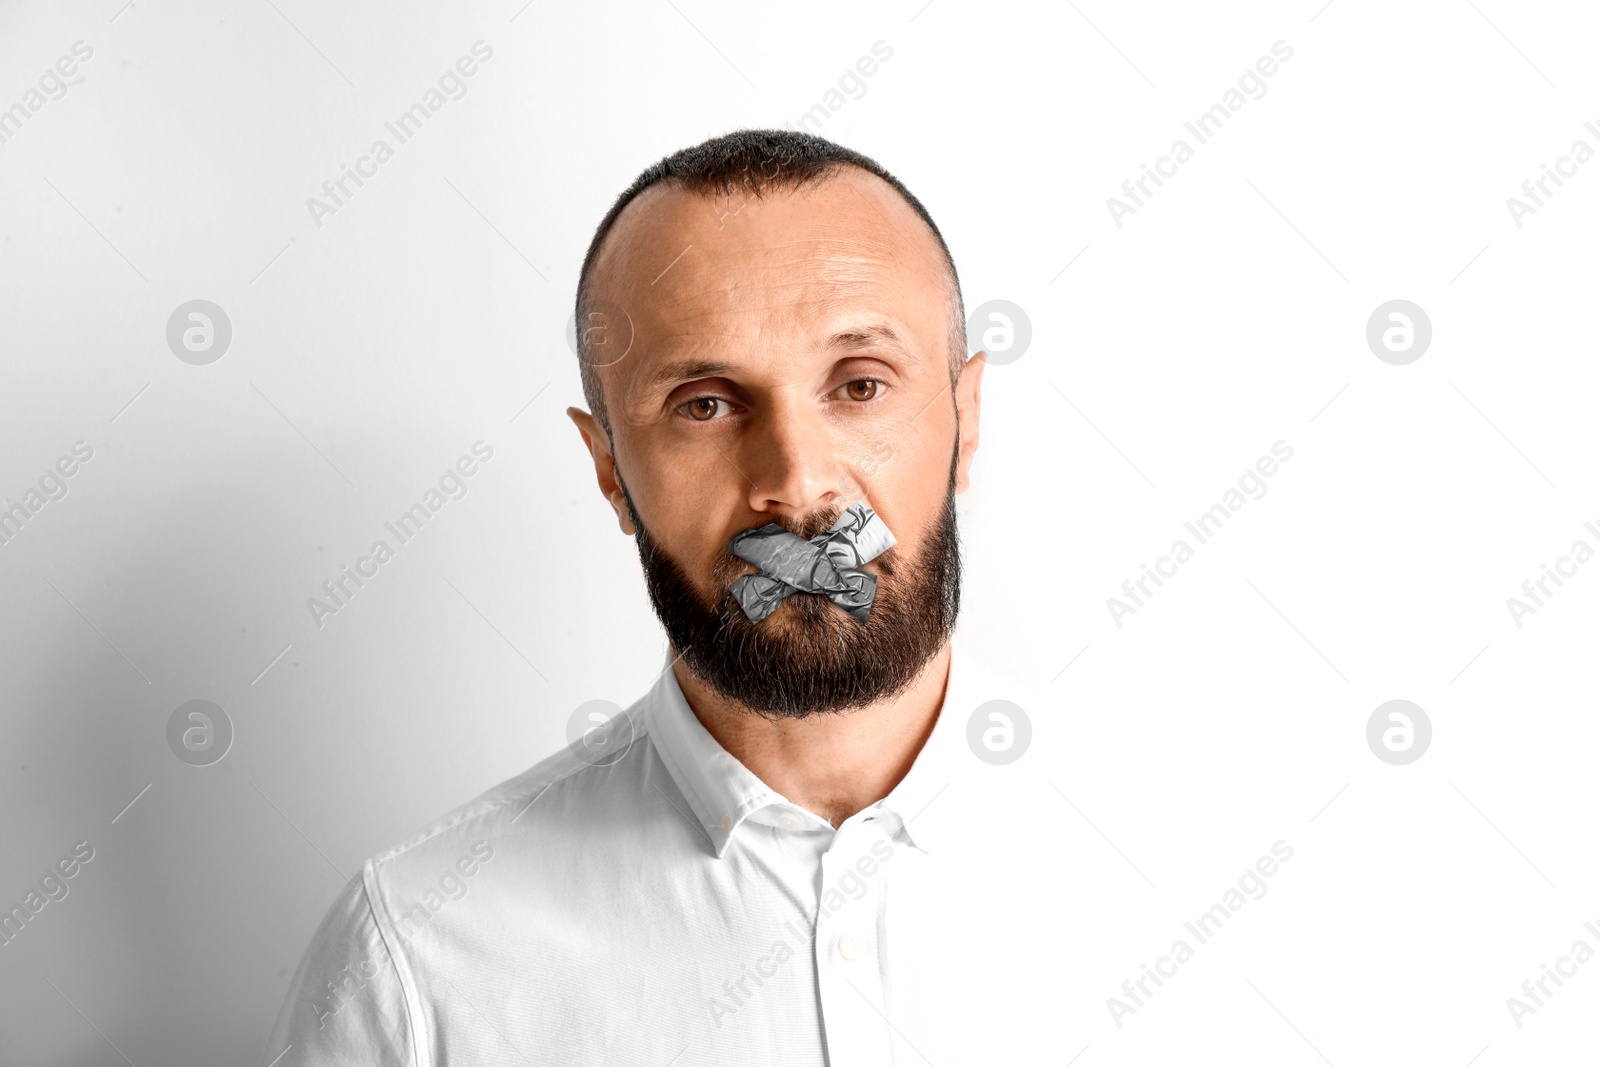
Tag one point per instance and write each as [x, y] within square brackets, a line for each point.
[686, 370]
[863, 337]
[857, 338]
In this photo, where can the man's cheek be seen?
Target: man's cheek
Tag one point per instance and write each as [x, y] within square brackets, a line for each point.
[872, 460]
[879, 454]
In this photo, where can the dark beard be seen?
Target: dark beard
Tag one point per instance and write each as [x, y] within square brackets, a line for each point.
[808, 656]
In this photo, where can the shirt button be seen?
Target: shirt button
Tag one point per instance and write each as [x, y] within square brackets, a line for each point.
[849, 946]
[790, 820]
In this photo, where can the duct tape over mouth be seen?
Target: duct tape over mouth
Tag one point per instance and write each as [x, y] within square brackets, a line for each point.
[826, 565]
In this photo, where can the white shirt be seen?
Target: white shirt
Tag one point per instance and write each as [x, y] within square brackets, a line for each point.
[660, 911]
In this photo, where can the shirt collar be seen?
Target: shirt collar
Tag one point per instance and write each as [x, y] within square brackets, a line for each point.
[722, 793]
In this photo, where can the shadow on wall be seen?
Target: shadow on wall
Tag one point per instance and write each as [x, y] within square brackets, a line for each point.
[178, 939]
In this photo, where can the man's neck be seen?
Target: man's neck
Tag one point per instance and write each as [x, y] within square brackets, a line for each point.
[833, 765]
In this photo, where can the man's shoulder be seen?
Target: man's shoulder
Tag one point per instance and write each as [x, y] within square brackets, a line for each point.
[496, 866]
[541, 804]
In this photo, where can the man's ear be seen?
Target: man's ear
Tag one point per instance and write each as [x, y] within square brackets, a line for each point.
[969, 397]
[598, 442]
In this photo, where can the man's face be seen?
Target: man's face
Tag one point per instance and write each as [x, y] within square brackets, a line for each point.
[788, 358]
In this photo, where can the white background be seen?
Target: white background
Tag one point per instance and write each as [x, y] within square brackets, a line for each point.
[428, 313]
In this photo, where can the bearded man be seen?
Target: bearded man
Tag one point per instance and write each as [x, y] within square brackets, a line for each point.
[766, 859]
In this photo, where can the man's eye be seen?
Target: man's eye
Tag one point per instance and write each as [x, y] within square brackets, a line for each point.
[865, 389]
[704, 408]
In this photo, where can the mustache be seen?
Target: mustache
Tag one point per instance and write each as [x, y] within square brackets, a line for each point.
[806, 526]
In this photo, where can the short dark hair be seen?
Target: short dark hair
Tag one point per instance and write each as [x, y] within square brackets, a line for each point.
[753, 162]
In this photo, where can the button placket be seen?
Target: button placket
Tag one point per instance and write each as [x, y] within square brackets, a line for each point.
[849, 967]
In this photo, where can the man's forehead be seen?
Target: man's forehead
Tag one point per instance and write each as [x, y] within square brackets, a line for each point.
[838, 237]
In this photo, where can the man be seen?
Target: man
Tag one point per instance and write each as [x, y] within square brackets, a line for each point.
[767, 859]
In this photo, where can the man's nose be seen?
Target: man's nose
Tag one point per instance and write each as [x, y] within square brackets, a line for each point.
[792, 461]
